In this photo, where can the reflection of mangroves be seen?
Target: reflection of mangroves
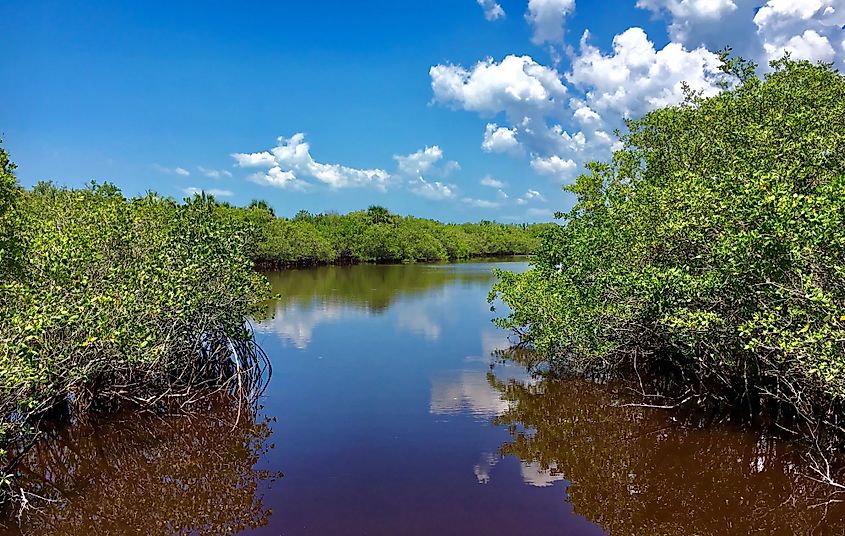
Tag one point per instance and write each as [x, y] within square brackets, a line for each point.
[373, 287]
[635, 472]
[149, 475]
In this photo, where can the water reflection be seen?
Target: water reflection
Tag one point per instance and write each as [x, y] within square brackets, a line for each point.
[392, 418]
[531, 472]
[465, 391]
[150, 475]
[370, 287]
[296, 324]
[636, 471]
[468, 390]
[309, 298]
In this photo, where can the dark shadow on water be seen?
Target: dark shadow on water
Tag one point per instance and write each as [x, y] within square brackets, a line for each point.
[646, 471]
[373, 287]
[142, 474]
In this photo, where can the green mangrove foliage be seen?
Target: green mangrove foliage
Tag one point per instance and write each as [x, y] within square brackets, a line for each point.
[713, 244]
[376, 235]
[120, 301]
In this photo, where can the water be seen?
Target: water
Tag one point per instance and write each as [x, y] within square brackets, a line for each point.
[386, 415]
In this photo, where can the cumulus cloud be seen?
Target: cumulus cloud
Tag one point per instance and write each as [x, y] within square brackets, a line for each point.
[554, 165]
[481, 203]
[492, 10]
[419, 167]
[546, 18]
[290, 163]
[171, 170]
[530, 195]
[635, 78]
[809, 29]
[214, 173]
[214, 192]
[756, 29]
[436, 190]
[500, 139]
[490, 182]
[689, 17]
[527, 94]
[278, 178]
[807, 46]
[561, 120]
[517, 86]
[425, 161]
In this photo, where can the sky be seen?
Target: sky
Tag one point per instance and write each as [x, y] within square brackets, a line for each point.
[459, 110]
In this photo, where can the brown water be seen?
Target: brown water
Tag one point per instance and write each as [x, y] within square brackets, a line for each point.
[387, 414]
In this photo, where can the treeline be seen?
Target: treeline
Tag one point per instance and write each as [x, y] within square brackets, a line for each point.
[376, 235]
[108, 302]
[710, 249]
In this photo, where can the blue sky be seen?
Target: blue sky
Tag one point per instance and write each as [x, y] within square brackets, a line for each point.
[453, 109]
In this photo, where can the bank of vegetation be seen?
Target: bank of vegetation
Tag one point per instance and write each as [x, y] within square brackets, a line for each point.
[376, 235]
[711, 250]
[108, 302]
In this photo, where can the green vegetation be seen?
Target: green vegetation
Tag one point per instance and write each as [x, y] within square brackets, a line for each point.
[373, 288]
[636, 471]
[376, 235]
[107, 301]
[712, 246]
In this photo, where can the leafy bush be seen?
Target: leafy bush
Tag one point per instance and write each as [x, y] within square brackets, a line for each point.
[376, 235]
[140, 301]
[714, 241]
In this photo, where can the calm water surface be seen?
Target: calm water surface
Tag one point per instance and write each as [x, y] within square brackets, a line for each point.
[388, 414]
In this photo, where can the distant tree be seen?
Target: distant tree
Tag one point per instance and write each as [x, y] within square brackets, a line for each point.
[262, 205]
[378, 214]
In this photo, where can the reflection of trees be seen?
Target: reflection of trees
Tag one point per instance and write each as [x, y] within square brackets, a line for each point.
[373, 287]
[633, 471]
[147, 475]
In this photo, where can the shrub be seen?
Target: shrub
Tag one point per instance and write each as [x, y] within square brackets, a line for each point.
[713, 241]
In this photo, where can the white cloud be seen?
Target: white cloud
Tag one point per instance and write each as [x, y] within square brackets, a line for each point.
[291, 159]
[562, 128]
[424, 162]
[635, 78]
[262, 159]
[213, 192]
[490, 182]
[546, 19]
[499, 139]
[517, 86]
[418, 167]
[705, 9]
[530, 195]
[171, 171]
[807, 46]
[534, 194]
[481, 203]
[808, 29]
[278, 178]
[689, 16]
[526, 93]
[760, 30]
[554, 165]
[436, 190]
[492, 10]
[214, 173]
[585, 115]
